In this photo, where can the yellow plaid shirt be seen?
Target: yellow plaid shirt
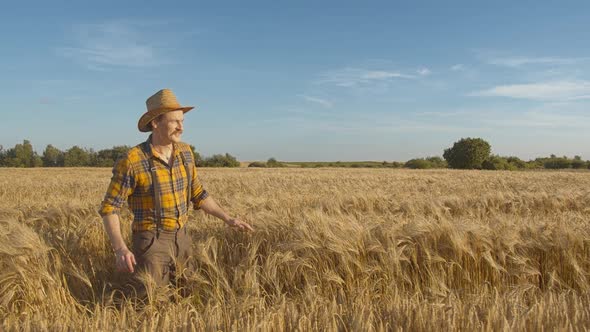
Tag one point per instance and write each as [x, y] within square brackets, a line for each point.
[132, 184]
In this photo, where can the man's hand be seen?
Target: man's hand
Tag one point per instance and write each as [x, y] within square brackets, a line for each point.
[211, 207]
[125, 260]
[234, 222]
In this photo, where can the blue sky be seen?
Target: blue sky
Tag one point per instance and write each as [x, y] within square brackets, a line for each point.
[302, 80]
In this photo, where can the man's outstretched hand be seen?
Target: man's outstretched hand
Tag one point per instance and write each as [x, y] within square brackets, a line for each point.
[125, 260]
[211, 207]
[241, 225]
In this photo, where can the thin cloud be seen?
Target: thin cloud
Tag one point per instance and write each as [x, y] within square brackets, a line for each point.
[543, 91]
[362, 126]
[350, 77]
[323, 102]
[555, 115]
[112, 44]
[424, 71]
[443, 114]
[518, 61]
[542, 119]
[458, 67]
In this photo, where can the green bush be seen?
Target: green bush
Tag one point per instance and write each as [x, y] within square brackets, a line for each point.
[498, 163]
[578, 163]
[396, 164]
[257, 164]
[437, 162]
[77, 157]
[53, 157]
[272, 162]
[418, 163]
[219, 160]
[467, 153]
[534, 164]
[22, 155]
[557, 163]
[516, 162]
[426, 163]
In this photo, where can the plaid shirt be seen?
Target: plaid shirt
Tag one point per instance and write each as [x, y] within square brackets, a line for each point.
[132, 183]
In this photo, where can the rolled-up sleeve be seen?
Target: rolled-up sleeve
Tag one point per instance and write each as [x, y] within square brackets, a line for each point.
[121, 186]
[198, 193]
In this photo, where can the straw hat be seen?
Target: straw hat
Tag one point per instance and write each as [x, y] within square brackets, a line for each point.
[161, 102]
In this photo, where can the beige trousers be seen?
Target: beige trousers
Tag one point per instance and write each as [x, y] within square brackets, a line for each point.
[164, 255]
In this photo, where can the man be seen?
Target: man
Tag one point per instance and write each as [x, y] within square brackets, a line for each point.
[158, 179]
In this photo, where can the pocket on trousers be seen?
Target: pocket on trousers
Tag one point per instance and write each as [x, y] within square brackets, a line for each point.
[184, 243]
[143, 241]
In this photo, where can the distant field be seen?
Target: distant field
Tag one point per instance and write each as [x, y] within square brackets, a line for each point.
[334, 249]
[314, 164]
[338, 163]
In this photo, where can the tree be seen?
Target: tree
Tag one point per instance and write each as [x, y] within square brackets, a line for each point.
[52, 157]
[467, 153]
[418, 163]
[497, 163]
[257, 164]
[557, 162]
[198, 158]
[397, 164]
[437, 162]
[37, 161]
[538, 163]
[108, 157]
[76, 157]
[22, 155]
[25, 155]
[578, 163]
[219, 160]
[272, 162]
[231, 161]
[10, 159]
[516, 162]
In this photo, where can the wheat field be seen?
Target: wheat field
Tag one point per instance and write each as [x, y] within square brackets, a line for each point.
[334, 249]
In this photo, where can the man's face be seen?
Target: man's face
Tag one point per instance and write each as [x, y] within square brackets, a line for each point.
[169, 127]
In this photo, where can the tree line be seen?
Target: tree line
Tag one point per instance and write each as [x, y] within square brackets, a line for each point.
[467, 153]
[475, 153]
[23, 155]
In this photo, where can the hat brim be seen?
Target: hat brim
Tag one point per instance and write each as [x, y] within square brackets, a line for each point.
[144, 122]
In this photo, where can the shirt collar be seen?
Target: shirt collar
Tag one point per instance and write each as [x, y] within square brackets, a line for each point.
[149, 148]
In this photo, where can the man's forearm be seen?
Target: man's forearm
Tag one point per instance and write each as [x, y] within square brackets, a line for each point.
[112, 226]
[209, 206]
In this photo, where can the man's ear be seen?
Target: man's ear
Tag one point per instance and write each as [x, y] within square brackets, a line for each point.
[154, 123]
